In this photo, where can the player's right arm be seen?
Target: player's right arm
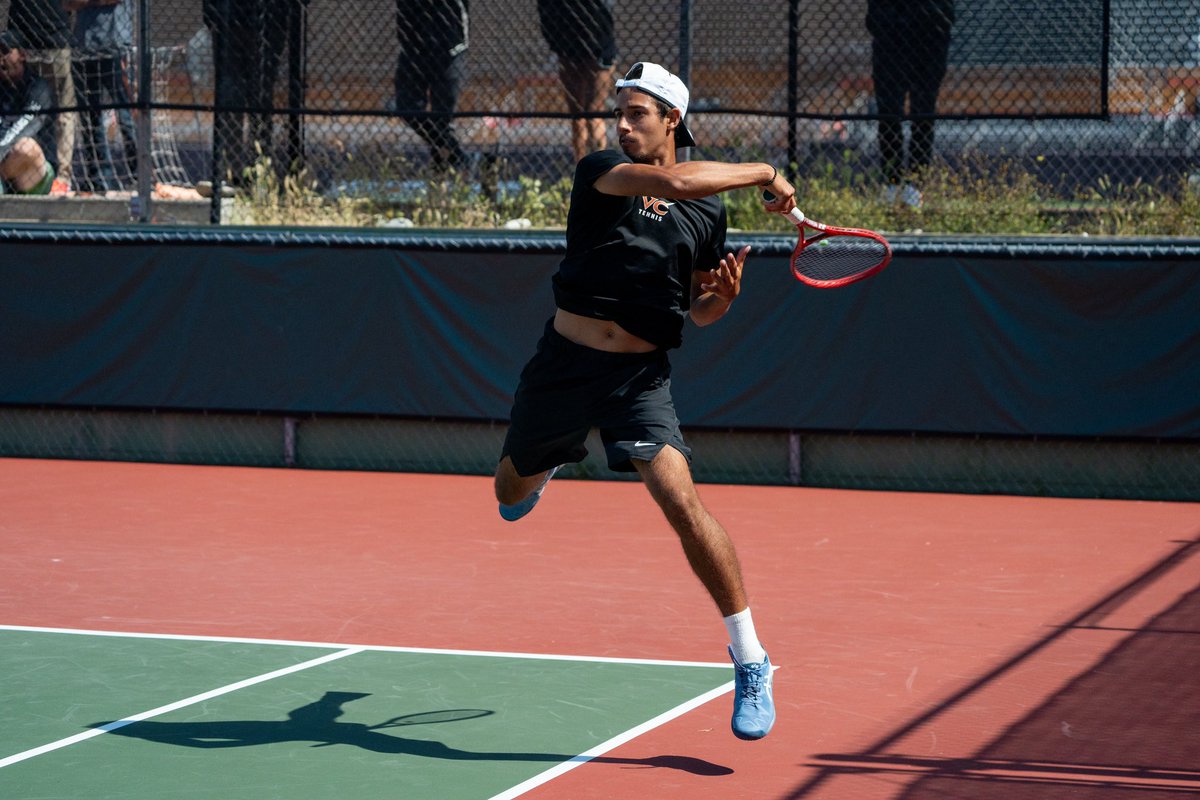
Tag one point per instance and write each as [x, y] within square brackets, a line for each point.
[690, 180]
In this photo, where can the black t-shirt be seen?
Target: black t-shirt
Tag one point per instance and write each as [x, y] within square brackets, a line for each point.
[630, 259]
[43, 24]
[23, 114]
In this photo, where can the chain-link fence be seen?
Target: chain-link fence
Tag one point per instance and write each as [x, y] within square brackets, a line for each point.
[379, 101]
[1143, 470]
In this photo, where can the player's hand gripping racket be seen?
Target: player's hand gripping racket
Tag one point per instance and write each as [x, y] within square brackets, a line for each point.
[833, 256]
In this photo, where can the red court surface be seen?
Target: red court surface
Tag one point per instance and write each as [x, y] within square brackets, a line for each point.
[929, 646]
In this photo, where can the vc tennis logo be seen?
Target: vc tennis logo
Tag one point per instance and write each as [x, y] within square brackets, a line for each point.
[654, 207]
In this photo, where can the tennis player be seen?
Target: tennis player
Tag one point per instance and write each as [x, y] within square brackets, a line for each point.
[645, 237]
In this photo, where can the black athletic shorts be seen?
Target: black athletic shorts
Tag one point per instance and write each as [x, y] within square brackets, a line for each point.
[567, 389]
[581, 30]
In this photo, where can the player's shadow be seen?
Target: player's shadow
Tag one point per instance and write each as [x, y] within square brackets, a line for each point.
[318, 723]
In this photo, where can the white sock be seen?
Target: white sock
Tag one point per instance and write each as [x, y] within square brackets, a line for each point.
[746, 647]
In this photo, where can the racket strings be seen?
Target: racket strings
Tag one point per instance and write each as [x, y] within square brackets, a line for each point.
[839, 256]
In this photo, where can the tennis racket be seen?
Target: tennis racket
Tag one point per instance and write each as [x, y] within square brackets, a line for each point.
[833, 256]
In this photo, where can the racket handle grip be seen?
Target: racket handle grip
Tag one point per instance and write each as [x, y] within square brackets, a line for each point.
[795, 213]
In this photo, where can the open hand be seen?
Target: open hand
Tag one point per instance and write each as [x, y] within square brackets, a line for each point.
[726, 280]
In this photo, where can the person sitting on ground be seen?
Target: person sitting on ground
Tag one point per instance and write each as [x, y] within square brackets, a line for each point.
[26, 133]
[45, 30]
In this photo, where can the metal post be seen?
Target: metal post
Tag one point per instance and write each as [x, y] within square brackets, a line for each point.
[145, 131]
[297, 82]
[793, 88]
[1105, 44]
[218, 155]
[685, 41]
[795, 459]
[685, 55]
[289, 441]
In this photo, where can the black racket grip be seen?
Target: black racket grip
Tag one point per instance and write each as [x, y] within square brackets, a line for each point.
[767, 195]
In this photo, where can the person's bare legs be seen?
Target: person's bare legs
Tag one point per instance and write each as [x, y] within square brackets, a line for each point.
[25, 165]
[708, 548]
[711, 554]
[512, 488]
[586, 87]
[602, 81]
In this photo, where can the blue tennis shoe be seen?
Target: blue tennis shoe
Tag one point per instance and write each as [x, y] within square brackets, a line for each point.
[753, 702]
[517, 510]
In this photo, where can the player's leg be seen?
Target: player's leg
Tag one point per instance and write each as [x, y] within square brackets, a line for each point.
[640, 431]
[512, 487]
[713, 558]
[708, 548]
[548, 424]
[531, 456]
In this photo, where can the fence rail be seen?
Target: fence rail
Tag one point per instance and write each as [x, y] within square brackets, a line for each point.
[1092, 102]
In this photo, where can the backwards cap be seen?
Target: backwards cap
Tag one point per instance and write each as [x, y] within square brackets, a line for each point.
[660, 84]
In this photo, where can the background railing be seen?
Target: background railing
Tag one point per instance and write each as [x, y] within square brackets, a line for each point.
[1073, 116]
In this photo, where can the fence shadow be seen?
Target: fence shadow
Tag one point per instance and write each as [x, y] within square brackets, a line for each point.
[1127, 726]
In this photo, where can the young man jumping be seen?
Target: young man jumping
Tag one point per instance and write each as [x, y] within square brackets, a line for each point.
[645, 237]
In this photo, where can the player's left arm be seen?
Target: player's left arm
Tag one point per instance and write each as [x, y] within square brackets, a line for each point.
[714, 290]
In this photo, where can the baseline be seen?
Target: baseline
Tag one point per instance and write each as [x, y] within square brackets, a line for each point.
[653, 662]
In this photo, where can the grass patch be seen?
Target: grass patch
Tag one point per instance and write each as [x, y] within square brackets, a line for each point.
[994, 197]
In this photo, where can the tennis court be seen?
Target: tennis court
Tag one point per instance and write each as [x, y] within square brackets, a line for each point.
[185, 631]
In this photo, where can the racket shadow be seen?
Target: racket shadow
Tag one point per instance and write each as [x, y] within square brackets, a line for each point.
[317, 723]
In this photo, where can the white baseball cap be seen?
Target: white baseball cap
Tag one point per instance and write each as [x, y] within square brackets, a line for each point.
[662, 85]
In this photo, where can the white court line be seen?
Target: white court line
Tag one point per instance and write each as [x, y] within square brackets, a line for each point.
[616, 741]
[380, 648]
[154, 712]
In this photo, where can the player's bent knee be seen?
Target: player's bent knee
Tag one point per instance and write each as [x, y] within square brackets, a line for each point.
[504, 490]
[509, 487]
[508, 496]
[683, 509]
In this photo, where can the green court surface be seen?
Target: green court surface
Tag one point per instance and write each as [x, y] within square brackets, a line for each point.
[125, 716]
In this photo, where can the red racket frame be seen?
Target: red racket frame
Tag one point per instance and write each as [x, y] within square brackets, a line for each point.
[824, 231]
